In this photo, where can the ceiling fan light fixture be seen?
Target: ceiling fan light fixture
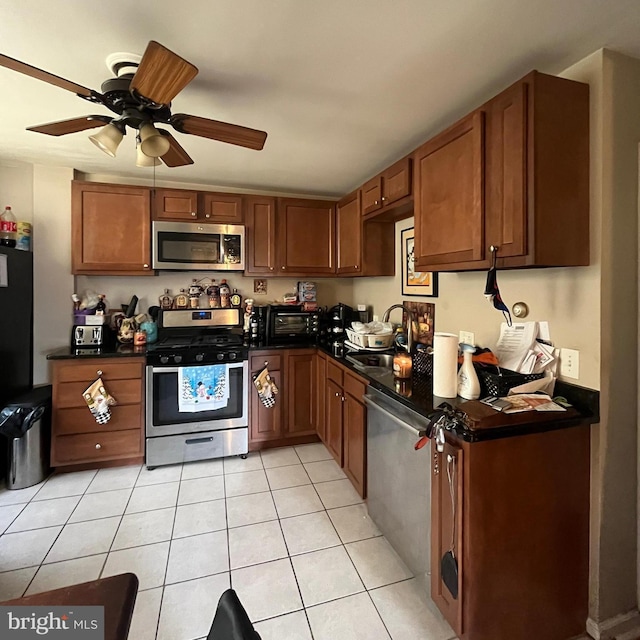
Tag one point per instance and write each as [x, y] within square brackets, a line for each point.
[107, 139]
[153, 143]
[143, 160]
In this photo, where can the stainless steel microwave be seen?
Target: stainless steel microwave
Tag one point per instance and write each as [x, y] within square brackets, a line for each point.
[194, 246]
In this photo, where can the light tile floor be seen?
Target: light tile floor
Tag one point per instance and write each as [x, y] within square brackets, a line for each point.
[284, 528]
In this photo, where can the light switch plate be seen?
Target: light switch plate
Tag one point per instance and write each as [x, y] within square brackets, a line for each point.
[467, 337]
[570, 363]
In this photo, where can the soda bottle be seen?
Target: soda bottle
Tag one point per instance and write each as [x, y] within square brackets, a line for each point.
[8, 228]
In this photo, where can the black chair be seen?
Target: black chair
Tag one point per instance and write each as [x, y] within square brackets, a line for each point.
[231, 621]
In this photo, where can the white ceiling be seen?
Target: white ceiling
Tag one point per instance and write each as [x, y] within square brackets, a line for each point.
[343, 87]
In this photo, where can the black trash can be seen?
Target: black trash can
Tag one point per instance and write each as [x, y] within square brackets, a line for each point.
[26, 423]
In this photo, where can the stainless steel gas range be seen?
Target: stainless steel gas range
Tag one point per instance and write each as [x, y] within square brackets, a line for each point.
[197, 381]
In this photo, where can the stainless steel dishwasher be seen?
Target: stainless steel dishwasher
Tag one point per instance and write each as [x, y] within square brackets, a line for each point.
[399, 480]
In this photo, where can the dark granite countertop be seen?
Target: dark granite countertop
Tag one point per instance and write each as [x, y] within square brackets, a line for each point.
[482, 422]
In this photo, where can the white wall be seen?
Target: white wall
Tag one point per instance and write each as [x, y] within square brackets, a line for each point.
[53, 282]
[16, 189]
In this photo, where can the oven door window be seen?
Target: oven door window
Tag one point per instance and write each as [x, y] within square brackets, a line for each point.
[190, 248]
[165, 399]
[288, 324]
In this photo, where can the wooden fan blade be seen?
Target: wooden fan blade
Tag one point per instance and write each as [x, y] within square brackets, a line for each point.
[63, 127]
[176, 156]
[39, 74]
[222, 131]
[161, 74]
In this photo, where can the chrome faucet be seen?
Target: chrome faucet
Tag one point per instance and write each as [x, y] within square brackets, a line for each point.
[411, 317]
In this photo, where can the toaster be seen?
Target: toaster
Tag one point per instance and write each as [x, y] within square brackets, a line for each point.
[84, 335]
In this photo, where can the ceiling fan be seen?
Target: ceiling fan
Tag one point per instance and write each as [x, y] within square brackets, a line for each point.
[140, 95]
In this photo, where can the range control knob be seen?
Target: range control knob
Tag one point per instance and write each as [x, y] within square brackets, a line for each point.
[177, 359]
[233, 355]
[220, 356]
[164, 359]
[199, 357]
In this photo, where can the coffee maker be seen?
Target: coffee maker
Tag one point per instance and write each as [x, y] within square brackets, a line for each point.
[339, 318]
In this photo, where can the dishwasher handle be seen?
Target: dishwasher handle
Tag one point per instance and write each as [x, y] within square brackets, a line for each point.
[418, 433]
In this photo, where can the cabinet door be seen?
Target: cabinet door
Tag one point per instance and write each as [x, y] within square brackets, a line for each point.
[372, 195]
[110, 229]
[448, 196]
[349, 232]
[267, 424]
[321, 391]
[222, 208]
[306, 237]
[355, 443]
[334, 402]
[260, 216]
[396, 182]
[301, 393]
[175, 204]
[447, 470]
[506, 181]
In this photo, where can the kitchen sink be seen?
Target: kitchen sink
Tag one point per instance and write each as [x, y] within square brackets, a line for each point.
[384, 360]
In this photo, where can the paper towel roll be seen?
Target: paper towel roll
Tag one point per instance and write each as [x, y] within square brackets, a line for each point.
[445, 365]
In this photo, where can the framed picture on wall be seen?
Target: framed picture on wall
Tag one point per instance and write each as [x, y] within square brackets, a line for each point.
[415, 283]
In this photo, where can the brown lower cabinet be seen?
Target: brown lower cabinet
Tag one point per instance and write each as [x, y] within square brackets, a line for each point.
[516, 512]
[293, 418]
[346, 425]
[76, 438]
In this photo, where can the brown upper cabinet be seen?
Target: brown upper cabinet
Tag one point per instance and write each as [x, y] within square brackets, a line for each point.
[513, 175]
[203, 206]
[387, 189]
[110, 229]
[365, 248]
[287, 236]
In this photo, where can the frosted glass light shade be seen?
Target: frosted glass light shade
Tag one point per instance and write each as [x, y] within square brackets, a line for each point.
[153, 143]
[107, 139]
[143, 160]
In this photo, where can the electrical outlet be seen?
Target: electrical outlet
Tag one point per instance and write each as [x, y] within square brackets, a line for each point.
[570, 363]
[375, 318]
[467, 337]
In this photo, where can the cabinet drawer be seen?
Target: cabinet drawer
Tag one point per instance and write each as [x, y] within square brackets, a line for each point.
[99, 446]
[334, 372]
[80, 420]
[88, 371]
[354, 386]
[69, 394]
[272, 360]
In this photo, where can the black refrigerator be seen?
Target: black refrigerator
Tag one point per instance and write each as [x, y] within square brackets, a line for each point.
[16, 323]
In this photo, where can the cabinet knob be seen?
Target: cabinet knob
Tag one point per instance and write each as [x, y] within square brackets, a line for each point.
[98, 446]
[356, 267]
[342, 398]
[283, 268]
[207, 215]
[270, 268]
[375, 202]
[337, 394]
[193, 214]
[145, 265]
[99, 372]
[382, 199]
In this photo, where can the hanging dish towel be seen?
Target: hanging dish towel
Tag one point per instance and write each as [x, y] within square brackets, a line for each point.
[204, 388]
[99, 400]
[266, 388]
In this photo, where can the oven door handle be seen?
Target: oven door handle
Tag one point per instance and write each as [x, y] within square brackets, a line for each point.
[232, 365]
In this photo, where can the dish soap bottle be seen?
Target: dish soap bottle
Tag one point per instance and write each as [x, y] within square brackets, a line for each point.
[468, 383]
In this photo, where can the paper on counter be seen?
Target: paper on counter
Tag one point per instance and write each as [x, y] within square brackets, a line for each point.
[532, 402]
[514, 343]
